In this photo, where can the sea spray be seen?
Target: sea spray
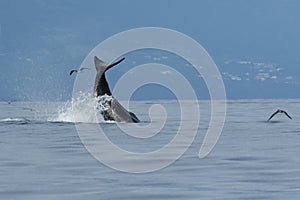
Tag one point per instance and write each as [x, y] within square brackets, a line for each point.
[84, 109]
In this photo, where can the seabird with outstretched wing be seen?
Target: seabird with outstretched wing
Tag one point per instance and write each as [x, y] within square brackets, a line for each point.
[279, 111]
[78, 71]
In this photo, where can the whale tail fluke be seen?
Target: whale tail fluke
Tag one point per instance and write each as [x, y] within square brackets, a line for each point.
[102, 67]
[113, 109]
[101, 86]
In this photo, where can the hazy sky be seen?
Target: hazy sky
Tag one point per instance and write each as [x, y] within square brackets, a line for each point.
[255, 43]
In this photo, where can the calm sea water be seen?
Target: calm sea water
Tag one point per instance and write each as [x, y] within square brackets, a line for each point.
[42, 156]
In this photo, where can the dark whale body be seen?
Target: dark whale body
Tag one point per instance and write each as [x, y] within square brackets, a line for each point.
[114, 110]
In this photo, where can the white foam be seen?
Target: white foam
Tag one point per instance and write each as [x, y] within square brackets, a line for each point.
[85, 109]
[13, 119]
[104, 102]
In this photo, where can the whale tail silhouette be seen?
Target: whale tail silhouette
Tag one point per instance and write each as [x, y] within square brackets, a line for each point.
[101, 86]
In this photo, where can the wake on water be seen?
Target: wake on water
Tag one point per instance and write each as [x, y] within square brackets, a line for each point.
[9, 120]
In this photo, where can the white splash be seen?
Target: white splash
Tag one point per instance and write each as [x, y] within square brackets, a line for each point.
[84, 109]
[104, 102]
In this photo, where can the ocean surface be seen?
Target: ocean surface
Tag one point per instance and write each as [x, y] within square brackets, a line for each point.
[43, 157]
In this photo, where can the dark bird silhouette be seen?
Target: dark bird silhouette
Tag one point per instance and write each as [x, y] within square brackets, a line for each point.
[78, 71]
[279, 111]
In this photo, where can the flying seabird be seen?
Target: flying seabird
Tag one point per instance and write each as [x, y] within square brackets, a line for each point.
[279, 111]
[78, 71]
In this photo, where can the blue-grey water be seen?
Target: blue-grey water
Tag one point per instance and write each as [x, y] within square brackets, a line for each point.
[42, 156]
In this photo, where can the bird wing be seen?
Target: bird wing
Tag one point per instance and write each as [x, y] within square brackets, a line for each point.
[287, 114]
[72, 71]
[273, 115]
[83, 68]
